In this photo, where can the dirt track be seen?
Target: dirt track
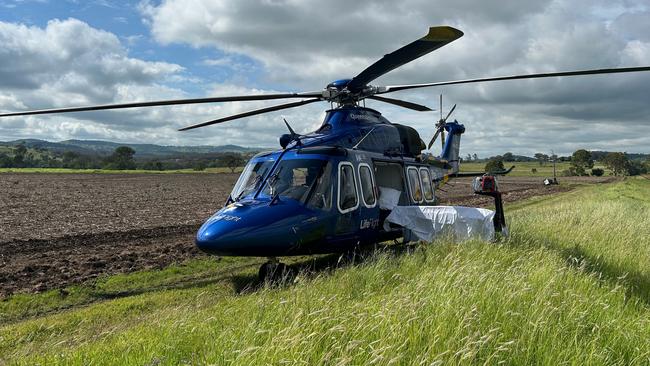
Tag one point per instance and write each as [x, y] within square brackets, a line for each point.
[59, 229]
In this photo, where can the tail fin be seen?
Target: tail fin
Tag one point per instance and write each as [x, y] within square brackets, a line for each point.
[451, 150]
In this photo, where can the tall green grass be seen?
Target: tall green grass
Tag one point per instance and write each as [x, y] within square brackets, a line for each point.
[569, 287]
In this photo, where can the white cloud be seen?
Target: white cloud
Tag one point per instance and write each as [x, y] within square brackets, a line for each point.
[303, 45]
[527, 116]
[306, 44]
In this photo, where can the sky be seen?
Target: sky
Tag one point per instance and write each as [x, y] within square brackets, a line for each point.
[69, 53]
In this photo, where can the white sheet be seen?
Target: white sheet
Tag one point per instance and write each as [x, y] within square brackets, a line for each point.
[428, 222]
[388, 198]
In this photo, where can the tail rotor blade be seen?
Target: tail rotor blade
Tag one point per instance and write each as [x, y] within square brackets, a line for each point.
[433, 139]
[449, 114]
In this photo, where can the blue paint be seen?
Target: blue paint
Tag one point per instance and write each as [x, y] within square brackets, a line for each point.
[305, 219]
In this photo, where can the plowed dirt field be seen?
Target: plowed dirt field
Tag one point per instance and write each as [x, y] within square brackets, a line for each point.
[60, 229]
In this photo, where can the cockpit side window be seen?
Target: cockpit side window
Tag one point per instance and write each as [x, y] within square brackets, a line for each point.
[348, 198]
[321, 196]
[294, 178]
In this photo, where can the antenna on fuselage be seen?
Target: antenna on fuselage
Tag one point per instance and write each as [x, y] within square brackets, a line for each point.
[294, 135]
[363, 138]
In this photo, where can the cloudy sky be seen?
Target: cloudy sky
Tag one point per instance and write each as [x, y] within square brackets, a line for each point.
[69, 52]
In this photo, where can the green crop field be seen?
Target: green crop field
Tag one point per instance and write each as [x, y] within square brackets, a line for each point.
[522, 169]
[570, 286]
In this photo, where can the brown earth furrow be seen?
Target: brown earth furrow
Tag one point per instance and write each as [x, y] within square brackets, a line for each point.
[42, 264]
[61, 229]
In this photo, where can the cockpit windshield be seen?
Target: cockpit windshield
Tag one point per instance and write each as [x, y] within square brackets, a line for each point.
[305, 180]
[250, 179]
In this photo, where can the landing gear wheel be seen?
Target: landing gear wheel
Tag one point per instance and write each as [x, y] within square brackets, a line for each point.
[273, 271]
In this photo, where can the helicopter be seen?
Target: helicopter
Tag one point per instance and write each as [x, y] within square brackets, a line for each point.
[331, 190]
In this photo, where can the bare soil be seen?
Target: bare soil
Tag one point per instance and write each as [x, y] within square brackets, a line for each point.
[62, 229]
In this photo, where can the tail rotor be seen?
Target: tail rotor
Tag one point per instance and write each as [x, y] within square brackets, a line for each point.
[440, 126]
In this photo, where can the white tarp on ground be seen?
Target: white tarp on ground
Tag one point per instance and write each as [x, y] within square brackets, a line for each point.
[428, 222]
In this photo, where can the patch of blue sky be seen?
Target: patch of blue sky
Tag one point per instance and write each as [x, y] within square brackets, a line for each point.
[203, 67]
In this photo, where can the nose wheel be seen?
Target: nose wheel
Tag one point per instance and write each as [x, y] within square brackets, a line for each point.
[273, 271]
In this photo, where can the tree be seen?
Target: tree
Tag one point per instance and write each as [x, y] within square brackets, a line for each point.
[636, 167]
[200, 166]
[70, 159]
[233, 161]
[616, 162]
[581, 161]
[494, 165]
[469, 157]
[597, 172]
[475, 157]
[121, 159]
[19, 155]
[5, 161]
[508, 157]
[541, 158]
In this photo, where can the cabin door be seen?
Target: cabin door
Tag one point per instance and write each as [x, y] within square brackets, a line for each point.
[347, 223]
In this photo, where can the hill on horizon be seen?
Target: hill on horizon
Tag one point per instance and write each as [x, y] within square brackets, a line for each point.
[99, 147]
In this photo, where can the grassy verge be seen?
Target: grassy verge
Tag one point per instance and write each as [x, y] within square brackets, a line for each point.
[570, 286]
[188, 274]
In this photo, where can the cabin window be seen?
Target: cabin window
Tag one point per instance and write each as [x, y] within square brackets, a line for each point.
[414, 184]
[367, 185]
[427, 189]
[348, 200]
[390, 178]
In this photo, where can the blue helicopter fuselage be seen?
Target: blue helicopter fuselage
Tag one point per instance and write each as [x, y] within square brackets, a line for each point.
[323, 192]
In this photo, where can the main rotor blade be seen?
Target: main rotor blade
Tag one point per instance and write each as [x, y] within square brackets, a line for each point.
[394, 88]
[403, 103]
[235, 98]
[251, 113]
[436, 38]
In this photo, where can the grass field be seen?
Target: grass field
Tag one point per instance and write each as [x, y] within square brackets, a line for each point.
[523, 169]
[570, 286]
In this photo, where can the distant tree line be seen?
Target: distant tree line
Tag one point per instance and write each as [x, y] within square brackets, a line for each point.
[618, 163]
[582, 162]
[122, 158]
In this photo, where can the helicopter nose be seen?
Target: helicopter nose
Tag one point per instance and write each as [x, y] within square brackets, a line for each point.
[251, 230]
[221, 236]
